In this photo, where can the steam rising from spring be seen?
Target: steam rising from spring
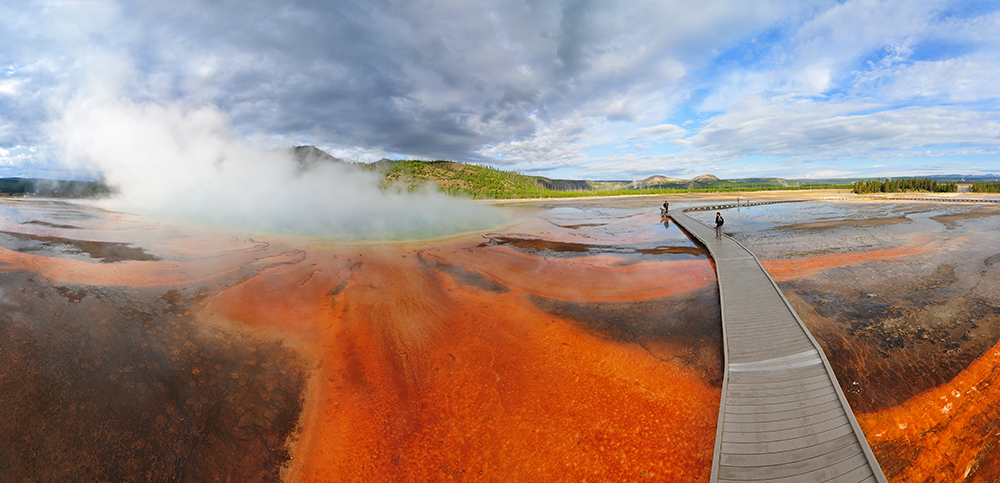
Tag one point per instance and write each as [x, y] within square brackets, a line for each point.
[183, 164]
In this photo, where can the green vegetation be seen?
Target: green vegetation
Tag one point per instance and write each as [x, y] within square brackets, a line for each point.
[47, 188]
[457, 179]
[978, 187]
[482, 182]
[904, 184]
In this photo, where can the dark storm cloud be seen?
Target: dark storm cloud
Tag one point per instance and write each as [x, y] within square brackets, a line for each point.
[383, 75]
[576, 29]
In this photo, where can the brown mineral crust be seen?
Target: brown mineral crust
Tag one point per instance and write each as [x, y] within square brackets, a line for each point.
[117, 384]
[593, 278]
[213, 269]
[971, 212]
[827, 225]
[682, 328]
[888, 331]
[536, 245]
[104, 251]
[882, 365]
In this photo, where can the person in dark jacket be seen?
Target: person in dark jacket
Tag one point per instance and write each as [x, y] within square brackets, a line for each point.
[718, 224]
[664, 209]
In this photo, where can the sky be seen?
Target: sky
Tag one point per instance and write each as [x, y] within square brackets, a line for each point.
[587, 89]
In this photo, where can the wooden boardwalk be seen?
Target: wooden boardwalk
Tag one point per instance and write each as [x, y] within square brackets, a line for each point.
[783, 416]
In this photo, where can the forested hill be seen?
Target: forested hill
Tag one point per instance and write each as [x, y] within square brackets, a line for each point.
[469, 180]
[491, 183]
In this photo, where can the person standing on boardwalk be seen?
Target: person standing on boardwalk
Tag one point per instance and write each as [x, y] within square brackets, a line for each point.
[665, 209]
[718, 224]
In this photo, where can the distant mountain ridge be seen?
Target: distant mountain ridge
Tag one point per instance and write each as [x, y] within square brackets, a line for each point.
[309, 157]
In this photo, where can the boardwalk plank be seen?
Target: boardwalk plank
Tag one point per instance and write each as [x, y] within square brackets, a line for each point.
[779, 425]
[766, 433]
[779, 384]
[779, 416]
[804, 453]
[823, 393]
[861, 474]
[778, 407]
[764, 448]
[798, 387]
[746, 354]
[795, 468]
[755, 377]
[846, 470]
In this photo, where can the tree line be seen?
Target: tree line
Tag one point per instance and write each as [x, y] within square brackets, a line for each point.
[48, 188]
[903, 184]
[978, 187]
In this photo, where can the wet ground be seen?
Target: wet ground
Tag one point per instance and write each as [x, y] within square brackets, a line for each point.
[904, 297]
[582, 342]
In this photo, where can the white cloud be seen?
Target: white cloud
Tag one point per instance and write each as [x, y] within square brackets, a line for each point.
[849, 30]
[10, 87]
[15, 155]
[967, 79]
[735, 86]
[554, 144]
[823, 130]
[662, 130]
[829, 173]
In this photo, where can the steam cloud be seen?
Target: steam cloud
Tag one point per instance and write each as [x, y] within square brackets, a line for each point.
[183, 164]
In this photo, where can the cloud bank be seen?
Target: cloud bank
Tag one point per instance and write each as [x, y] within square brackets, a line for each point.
[583, 88]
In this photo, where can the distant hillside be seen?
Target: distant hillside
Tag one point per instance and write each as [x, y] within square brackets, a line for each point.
[457, 179]
[47, 188]
[705, 181]
[660, 180]
[564, 184]
[484, 182]
[309, 157]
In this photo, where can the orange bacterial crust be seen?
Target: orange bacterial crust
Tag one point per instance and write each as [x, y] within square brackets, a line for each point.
[948, 433]
[421, 377]
[784, 270]
[593, 278]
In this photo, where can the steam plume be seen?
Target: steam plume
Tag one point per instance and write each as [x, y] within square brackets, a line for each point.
[183, 164]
